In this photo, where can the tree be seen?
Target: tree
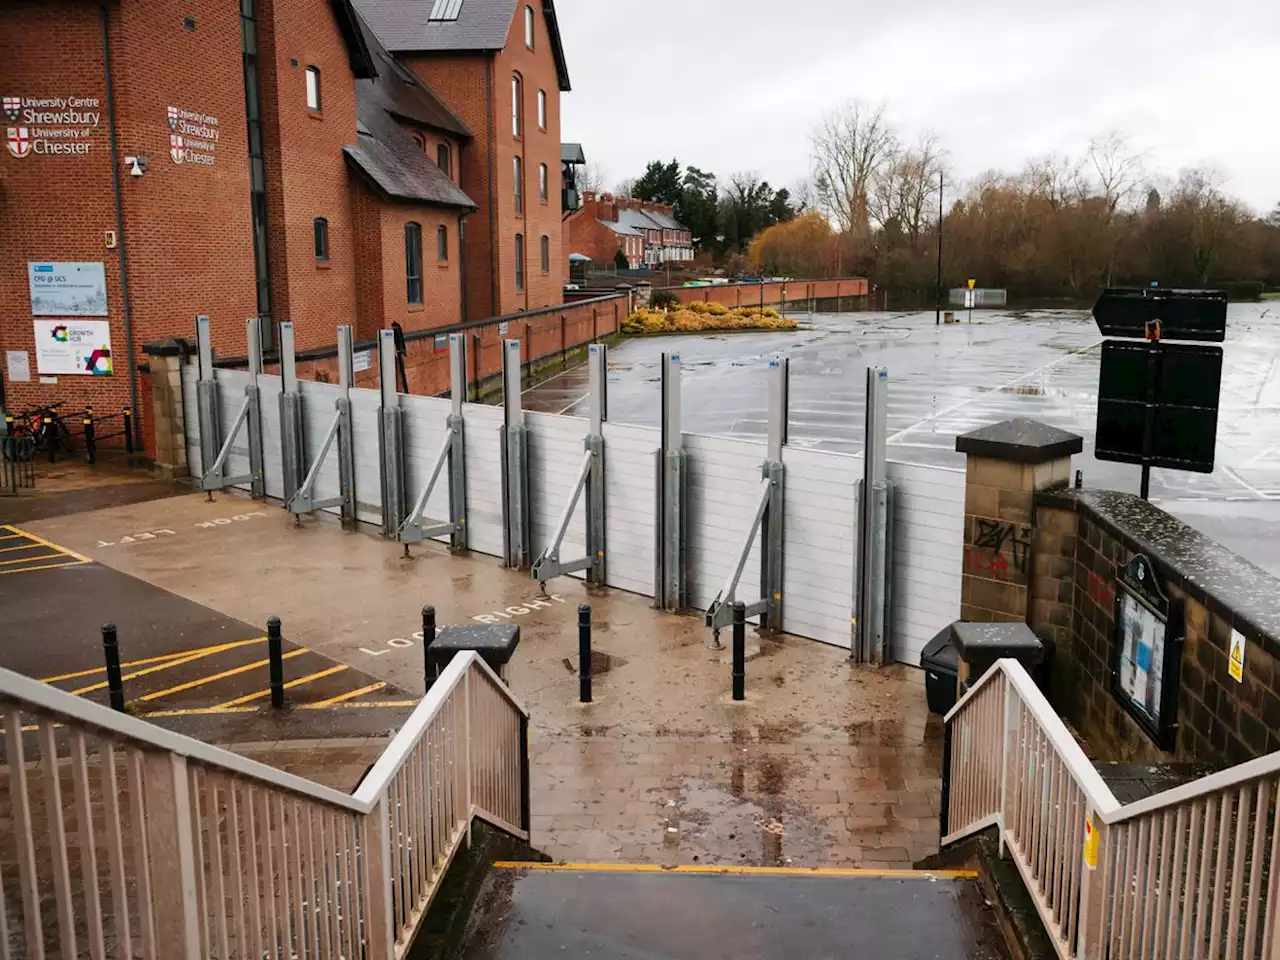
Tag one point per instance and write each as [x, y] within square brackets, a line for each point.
[624, 188]
[850, 147]
[749, 205]
[594, 177]
[620, 260]
[801, 247]
[780, 208]
[661, 182]
[698, 209]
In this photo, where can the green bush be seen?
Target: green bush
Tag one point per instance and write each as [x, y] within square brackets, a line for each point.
[620, 260]
[663, 300]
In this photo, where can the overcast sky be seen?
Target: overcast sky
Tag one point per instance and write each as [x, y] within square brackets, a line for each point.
[731, 85]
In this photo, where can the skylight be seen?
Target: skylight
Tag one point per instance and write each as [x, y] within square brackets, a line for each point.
[445, 10]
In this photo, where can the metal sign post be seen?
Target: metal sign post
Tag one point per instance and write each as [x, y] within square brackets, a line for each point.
[515, 476]
[390, 437]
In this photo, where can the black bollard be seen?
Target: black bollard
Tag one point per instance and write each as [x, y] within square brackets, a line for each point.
[275, 652]
[48, 436]
[128, 430]
[115, 683]
[90, 447]
[739, 651]
[584, 653]
[428, 638]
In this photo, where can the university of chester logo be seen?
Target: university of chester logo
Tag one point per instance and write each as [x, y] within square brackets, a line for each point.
[175, 147]
[12, 108]
[173, 118]
[18, 141]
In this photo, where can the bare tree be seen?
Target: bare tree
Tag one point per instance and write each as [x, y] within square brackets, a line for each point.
[594, 177]
[905, 189]
[850, 146]
[624, 187]
[1118, 168]
[1056, 179]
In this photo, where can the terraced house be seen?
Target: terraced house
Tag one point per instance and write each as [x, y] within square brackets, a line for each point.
[369, 162]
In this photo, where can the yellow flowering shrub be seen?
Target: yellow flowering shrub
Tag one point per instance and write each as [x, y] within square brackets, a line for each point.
[691, 320]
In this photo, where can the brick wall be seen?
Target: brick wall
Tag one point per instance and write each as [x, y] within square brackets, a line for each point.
[1219, 720]
[748, 294]
[441, 279]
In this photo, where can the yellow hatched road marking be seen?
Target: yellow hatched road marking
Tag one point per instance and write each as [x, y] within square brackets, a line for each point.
[52, 546]
[43, 556]
[44, 566]
[346, 696]
[123, 666]
[9, 536]
[25, 546]
[181, 659]
[732, 869]
[292, 683]
[157, 694]
[358, 705]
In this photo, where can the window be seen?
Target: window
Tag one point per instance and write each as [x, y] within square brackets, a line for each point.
[518, 170]
[313, 89]
[413, 262]
[321, 226]
[442, 244]
[517, 105]
[442, 159]
[542, 182]
[546, 254]
[421, 141]
[519, 261]
[528, 27]
[542, 110]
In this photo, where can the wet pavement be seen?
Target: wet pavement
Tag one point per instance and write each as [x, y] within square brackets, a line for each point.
[538, 914]
[823, 764]
[948, 380]
[73, 486]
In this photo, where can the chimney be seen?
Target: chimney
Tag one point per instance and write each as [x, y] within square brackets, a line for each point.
[633, 203]
[588, 196]
[606, 210]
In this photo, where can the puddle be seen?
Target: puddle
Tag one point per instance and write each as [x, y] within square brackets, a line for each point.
[601, 663]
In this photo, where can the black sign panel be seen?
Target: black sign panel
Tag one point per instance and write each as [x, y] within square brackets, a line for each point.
[1183, 314]
[1158, 404]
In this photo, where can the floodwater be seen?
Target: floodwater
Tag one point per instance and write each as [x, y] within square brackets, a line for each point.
[946, 380]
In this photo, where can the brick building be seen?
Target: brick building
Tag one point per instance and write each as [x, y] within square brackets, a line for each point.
[647, 233]
[315, 161]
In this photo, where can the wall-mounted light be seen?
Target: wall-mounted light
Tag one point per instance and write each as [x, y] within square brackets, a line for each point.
[137, 165]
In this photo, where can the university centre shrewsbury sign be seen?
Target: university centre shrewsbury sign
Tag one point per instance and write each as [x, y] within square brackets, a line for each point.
[193, 136]
[50, 126]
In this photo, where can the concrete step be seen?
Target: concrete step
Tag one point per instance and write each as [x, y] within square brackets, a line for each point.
[535, 911]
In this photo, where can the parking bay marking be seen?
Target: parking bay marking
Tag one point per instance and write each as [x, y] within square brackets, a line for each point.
[492, 618]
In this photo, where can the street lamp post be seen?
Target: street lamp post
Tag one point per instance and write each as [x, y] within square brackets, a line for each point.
[937, 294]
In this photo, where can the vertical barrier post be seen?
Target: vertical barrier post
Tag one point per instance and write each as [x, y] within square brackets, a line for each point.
[128, 431]
[457, 442]
[598, 395]
[871, 622]
[115, 684]
[207, 404]
[515, 479]
[346, 442]
[584, 653]
[772, 524]
[253, 340]
[292, 439]
[390, 437]
[669, 586]
[90, 446]
[739, 650]
[275, 654]
[428, 638]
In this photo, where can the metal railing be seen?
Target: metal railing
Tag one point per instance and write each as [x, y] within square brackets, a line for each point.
[17, 472]
[126, 840]
[1187, 873]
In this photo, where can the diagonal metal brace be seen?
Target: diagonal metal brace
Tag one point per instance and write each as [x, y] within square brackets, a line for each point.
[413, 530]
[720, 613]
[549, 565]
[304, 500]
[247, 415]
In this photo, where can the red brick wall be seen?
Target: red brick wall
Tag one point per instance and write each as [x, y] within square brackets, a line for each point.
[366, 215]
[749, 294]
[459, 80]
[441, 288]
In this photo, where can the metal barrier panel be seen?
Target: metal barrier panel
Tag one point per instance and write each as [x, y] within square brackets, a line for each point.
[820, 570]
[628, 510]
[269, 387]
[364, 430]
[555, 452]
[484, 477]
[425, 428]
[724, 492]
[319, 402]
[928, 551]
[231, 387]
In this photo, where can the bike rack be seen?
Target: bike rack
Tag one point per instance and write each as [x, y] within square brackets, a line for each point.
[514, 437]
[591, 478]
[768, 522]
[670, 577]
[303, 500]
[212, 447]
[415, 529]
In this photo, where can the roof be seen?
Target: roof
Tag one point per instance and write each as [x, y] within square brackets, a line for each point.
[385, 152]
[620, 228]
[639, 219]
[357, 50]
[403, 93]
[665, 220]
[572, 153]
[405, 26]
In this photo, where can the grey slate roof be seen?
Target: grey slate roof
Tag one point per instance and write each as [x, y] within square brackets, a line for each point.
[666, 220]
[384, 150]
[404, 27]
[572, 153]
[637, 219]
[621, 229]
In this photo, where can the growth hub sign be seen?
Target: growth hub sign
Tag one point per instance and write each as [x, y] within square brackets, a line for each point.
[50, 126]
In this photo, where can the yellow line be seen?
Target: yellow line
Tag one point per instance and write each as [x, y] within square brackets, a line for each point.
[292, 683]
[123, 666]
[43, 556]
[25, 546]
[47, 566]
[748, 871]
[347, 696]
[52, 546]
[184, 658]
[359, 705]
[197, 711]
[9, 536]
[157, 694]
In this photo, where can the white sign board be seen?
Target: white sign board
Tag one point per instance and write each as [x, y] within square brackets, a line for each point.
[361, 360]
[67, 289]
[19, 364]
[1141, 655]
[73, 346]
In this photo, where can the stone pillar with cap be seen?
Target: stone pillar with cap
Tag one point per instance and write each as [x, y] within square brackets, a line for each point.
[1007, 464]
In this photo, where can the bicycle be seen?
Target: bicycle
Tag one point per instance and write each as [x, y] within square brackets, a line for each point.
[45, 429]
